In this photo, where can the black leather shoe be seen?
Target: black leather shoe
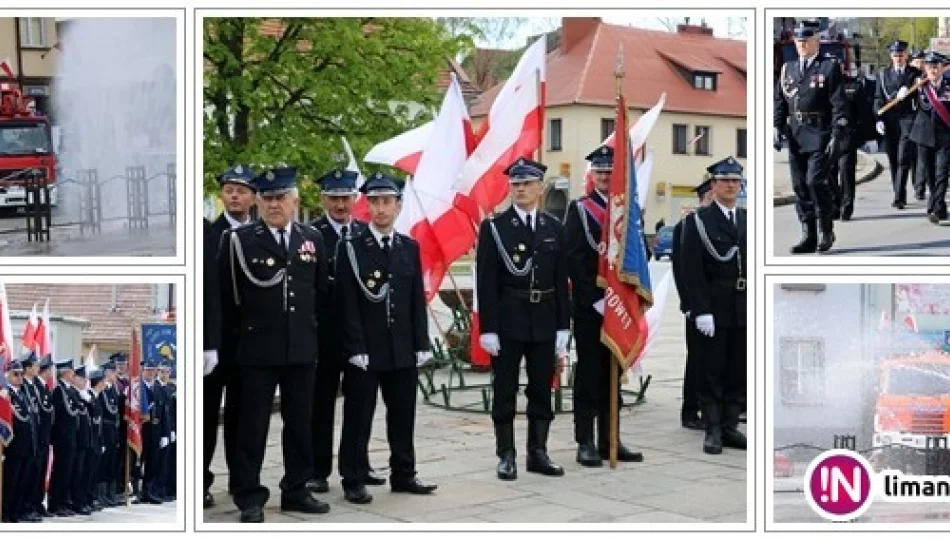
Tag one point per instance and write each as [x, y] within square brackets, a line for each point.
[921, 196]
[82, 510]
[931, 217]
[254, 514]
[587, 455]
[306, 504]
[900, 205]
[373, 479]
[713, 442]
[733, 438]
[208, 500]
[357, 495]
[539, 462]
[414, 486]
[507, 468]
[826, 235]
[846, 213]
[809, 240]
[623, 454]
[694, 423]
[318, 485]
[32, 517]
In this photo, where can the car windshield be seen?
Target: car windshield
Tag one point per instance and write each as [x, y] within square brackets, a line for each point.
[23, 138]
[919, 380]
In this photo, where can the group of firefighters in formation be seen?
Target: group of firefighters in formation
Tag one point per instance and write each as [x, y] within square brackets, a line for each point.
[340, 304]
[69, 448]
[827, 114]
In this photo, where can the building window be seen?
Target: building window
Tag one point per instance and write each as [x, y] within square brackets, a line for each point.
[741, 143]
[702, 135]
[802, 375]
[33, 32]
[704, 81]
[554, 135]
[606, 128]
[679, 138]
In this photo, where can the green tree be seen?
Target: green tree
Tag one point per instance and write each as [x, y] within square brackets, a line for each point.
[287, 90]
[879, 32]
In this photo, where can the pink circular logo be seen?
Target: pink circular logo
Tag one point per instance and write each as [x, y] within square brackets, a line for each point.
[839, 485]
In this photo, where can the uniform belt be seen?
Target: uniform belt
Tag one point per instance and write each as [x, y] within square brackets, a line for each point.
[809, 117]
[738, 284]
[534, 296]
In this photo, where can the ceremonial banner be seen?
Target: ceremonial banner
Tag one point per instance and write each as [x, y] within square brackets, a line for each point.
[6, 418]
[160, 344]
[624, 270]
[134, 396]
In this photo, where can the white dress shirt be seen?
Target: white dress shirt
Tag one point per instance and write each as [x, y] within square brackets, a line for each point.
[233, 222]
[523, 214]
[379, 236]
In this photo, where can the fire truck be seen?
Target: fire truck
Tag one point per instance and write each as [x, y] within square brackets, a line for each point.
[26, 148]
[912, 407]
[833, 42]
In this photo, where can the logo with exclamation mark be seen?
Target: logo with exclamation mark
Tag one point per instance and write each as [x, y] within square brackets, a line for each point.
[838, 485]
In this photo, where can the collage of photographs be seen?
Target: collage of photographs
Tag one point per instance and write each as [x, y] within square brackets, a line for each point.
[502, 270]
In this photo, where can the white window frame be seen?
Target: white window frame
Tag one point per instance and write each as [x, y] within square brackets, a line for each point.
[809, 387]
[26, 33]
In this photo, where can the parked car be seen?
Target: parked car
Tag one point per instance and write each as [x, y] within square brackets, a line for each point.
[663, 243]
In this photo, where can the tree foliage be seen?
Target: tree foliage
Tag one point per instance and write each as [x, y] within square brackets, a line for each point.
[285, 91]
[877, 33]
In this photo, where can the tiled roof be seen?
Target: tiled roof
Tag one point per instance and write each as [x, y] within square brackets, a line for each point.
[585, 72]
[93, 302]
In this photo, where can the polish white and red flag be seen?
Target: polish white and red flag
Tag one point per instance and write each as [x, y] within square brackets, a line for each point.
[44, 339]
[7, 68]
[511, 130]
[7, 352]
[360, 208]
[29, 331]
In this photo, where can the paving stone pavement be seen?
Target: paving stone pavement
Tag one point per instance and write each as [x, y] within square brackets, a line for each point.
[676, 483]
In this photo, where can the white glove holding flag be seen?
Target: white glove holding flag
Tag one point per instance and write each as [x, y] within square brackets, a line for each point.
[163, 442]
[211, 360]
[360, 360]
[490, 343]
[560, 343]
[902, 93]
[706, 325]
[173, 436]
[880, 127]
[423, 357]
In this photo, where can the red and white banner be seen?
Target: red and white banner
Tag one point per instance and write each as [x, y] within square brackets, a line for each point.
[29, 331]
[133, 397]
[402, 151]
[638, 137]
[512, 129]
[360, 209]
[478, 356]
[7, 68]
[6, 330]
[44, 339]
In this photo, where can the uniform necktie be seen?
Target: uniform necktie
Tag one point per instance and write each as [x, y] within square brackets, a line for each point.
[527, 220]
[732, 218]
[386, 245]
[343, 231]
[283, 241]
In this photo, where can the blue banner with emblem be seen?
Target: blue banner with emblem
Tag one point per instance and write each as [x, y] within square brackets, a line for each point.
[160, 344]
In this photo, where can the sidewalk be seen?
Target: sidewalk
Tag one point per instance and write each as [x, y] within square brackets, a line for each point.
[676, 483]
[867, 169]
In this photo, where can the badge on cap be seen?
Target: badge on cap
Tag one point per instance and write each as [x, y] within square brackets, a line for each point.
[521, 247]
[270, 261]
[516, 257]
[338, 174]
[239, 170]
[270, 175]
[370, 283]
[376, 274]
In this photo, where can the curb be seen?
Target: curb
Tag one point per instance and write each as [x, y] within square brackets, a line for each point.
[789, 198]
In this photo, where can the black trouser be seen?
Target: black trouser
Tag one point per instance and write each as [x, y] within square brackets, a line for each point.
[90, 475]
[218, 382]
[691, 373]
[842, 176]
[107, 462]
[539, 363]
[64, 459]
[77, 487]
[122, 450]
[398, 388]
[326, 389]
[591, 374]
[37, 487]
[934, 167]
[813, 192]
[170, 485]
[161, 471]
[722, 384]
[258, 385]
[900, 155]
[15, 477]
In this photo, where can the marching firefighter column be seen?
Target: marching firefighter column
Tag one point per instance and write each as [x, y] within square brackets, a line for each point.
[275, 270]
[810, 109]
[714, 263]
[583, 226]
[896, 123]
[931, 132]
[523, 311]
[385, 339]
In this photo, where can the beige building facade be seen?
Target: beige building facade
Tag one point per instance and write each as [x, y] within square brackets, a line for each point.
[28, 43]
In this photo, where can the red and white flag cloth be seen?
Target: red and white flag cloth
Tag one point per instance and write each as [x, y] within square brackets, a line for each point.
[44, 336]
[7, 68]
[638, 137]
[6, 330]
[428, 214]
[512, 129]
[360, 208]
[477, 355]
[402, 151]
[654, 315]
[29, 331]
[910, 321]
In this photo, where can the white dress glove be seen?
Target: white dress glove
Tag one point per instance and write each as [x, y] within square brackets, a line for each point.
[173, 436]
[902, 93]
[560, 343]
[706, 325]
[490, 343]
[599, 306]
[163, 442]
[880, 127]
[423, 357]
[360, 360]
[211, 360]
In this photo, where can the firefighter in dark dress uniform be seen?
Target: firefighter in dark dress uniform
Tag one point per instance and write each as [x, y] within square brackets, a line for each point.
[20, 455]
[96, 449]
[524, 312]
[169, 470]
[860, 129]
[67, 412]
[338, 193]
[689, 413]
[275, 271]
[84, 444]
[582, 228]
[42, 382]
[111, 416]
[810, 109]
[238, 196]
[714, 263]
[43, 409]
[154, 437]
[931, 133]
[895, 124]
[123, 451]
[385, 339]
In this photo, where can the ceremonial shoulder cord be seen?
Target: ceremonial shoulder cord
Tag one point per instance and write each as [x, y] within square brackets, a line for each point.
[16, 410]
[375, 298]
[788, 94]
[238, 249]
[503, 253]
[590, 239]
[734, 251]
[66, 406]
